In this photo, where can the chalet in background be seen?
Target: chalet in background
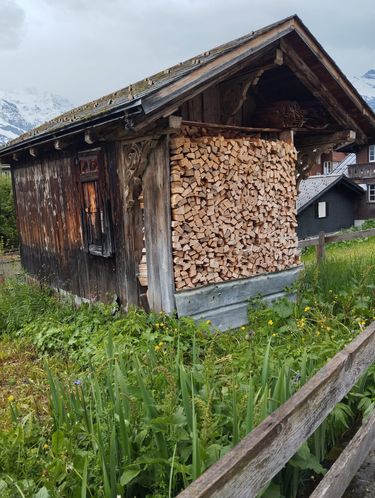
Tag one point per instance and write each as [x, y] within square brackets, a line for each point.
[363, 172]
[327, 203]
[179, 192]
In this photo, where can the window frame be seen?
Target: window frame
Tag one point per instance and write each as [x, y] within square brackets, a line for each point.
[96, 224]
[371, 153]
[371, 192]
[327, 167]
[317, 210]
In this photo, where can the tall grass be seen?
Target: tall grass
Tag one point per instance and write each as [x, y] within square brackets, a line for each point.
[158, 399]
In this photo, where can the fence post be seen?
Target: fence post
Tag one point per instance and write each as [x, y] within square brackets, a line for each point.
[320, 248]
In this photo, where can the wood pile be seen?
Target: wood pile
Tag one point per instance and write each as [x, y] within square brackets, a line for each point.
[233, 208]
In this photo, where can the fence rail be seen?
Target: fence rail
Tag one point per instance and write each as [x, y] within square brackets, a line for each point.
[250, 465]
[10, 264]
[326, 238]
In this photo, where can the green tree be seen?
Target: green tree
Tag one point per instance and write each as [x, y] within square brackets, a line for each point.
[8, 226]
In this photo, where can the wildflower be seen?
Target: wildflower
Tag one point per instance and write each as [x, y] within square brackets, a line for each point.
[77, 382]
[328, 329]
[270, 322]
[208, 322]
[161, 343]
[318, 333]
[157, 325]
[273, 335]
[306, 309]
[11, 398]
[243, 328]
[45, 446]
[330, 291]
[362, 322]
[157, 347]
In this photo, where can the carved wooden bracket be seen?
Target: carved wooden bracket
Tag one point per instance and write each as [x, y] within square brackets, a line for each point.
[136, 156]
[235, 94]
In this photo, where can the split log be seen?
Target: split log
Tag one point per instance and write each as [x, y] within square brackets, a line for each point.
[233, 207]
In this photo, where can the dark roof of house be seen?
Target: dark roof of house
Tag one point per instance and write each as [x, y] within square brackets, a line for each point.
[155, 92]
[315, 186]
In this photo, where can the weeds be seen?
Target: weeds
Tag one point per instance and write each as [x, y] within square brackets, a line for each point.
[159, 399]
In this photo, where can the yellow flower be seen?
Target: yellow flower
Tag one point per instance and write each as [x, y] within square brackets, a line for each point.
[318, 333]
[362, 322]
[270, 322]
[243, 328]
[10, 398]
[157, 325]
[161, 343]
[307, 308]
[273, 335]
[157, 348]
[328, 328]
[45, 446]
[208, 322]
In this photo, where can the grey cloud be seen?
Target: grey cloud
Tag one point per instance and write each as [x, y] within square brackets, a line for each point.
[92, 47]
[12, 19]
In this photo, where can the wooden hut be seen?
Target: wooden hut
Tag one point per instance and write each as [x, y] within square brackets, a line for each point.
[178, 192]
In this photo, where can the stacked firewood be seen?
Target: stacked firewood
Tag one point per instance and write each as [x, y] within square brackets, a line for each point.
[233, 208]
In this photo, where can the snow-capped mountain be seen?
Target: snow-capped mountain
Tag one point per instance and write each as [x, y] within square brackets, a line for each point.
[22, 110]
[366, 86]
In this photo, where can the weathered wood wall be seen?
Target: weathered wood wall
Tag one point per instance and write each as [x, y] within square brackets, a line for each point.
[49, 218]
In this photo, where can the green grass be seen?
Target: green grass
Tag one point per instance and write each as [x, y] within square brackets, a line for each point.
[347, 250]
[156, 400]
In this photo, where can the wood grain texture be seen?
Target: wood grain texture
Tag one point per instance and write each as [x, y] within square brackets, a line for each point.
[215, 296]
[345, 467]
[157, 223]
[262, 454]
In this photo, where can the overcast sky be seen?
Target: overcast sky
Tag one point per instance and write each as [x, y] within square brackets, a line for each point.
[83, 49]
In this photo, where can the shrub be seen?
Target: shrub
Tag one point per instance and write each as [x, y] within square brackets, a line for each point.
[8, 225]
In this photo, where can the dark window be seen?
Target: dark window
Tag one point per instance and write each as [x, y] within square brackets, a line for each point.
[96, 212]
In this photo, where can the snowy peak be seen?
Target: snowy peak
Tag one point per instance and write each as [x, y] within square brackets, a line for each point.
[370, 75]
[22, 110]
[366, 86]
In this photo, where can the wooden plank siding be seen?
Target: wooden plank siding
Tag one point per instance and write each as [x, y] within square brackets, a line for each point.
[250, 465]
[49, 218]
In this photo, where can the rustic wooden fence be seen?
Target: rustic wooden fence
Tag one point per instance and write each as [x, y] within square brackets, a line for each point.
[325, 238]
[10, 264]
[250, 465]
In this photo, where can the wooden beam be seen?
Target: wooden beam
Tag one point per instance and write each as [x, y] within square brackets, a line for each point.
[250, 465]
[331, 67]
[309, 78]
[339, 476]
[157, 226]
[244, 129]
[346, 136]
